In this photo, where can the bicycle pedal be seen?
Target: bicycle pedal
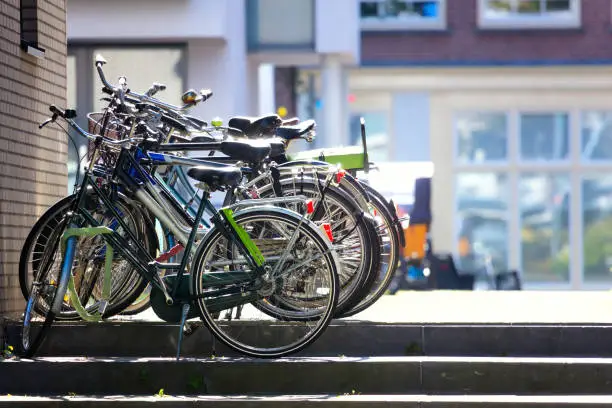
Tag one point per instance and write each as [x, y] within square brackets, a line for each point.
[189, 328]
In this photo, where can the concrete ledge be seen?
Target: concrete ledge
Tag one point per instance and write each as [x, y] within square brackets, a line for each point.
[375, 401]
[349, 338]
[308, 376]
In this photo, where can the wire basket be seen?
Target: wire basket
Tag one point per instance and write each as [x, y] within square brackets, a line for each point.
[105, 124]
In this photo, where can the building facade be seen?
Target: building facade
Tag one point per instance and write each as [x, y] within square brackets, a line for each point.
[32, 161]
[511, 102]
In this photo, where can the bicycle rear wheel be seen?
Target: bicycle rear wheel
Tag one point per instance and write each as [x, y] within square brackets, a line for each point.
[355, 238]
[288, 309]
[42, 245]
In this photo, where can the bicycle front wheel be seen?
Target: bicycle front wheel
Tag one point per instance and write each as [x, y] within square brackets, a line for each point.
[286, 309]
[46, 293]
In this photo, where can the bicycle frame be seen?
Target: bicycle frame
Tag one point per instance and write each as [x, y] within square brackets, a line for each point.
[140, 258]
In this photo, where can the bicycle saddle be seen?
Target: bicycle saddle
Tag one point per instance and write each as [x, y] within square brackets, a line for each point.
[216, 176]
[256, 126]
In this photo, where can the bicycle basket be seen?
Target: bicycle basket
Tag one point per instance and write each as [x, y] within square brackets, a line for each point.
[105, 124]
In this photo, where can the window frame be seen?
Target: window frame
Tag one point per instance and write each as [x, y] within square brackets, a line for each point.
[540, 22]
[389, 24]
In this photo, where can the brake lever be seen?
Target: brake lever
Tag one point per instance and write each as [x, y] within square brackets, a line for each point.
[46, 122]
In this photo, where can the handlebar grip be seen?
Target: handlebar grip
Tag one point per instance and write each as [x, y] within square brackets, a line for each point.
[56, 111]
[101, 75]
[206, 94]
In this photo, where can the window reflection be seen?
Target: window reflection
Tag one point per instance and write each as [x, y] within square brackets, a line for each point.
[597, 227]
[597, 136]
[482, 137]
[400, 9]
[482, 210]
[544, 213]
[544, 136]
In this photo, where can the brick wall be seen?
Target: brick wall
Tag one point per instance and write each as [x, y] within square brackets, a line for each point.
[32, 161]
[464, 43]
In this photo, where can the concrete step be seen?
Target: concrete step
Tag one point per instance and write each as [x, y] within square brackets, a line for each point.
[302, 401]
[349, 338]
[307, 376]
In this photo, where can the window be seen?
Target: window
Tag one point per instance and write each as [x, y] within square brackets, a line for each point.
[544, 136]
[482, 211]
[29, 28]
[597, 227]
[402, 14]
[481, 137]
[544, 200]
[377, 134]
[533, 14]
[596, 138]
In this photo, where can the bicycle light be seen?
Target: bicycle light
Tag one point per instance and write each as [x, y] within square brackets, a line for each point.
[328, 231]
[309, 206]
[340, 175]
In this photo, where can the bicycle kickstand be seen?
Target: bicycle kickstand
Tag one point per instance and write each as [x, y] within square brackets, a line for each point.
[184, 315]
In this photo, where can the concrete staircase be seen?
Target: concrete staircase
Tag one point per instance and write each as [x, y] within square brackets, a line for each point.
[128, 363]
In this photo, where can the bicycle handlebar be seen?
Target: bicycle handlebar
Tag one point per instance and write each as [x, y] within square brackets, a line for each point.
[100, 61]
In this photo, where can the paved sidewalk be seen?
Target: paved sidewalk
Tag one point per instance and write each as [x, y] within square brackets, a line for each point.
[483, 307]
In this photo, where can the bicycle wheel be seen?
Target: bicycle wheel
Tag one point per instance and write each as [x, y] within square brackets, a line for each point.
[308, 279]
[355, 237]
[126, 282]
[50, 291]
[390, 250]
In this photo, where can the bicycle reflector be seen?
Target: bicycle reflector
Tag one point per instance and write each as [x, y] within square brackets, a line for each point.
[309, 206]
[340, 175]
[327, 229]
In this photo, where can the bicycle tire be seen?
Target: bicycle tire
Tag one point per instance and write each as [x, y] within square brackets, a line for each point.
[271, 215]
[28, 350]
[380, 286]
[58, 210]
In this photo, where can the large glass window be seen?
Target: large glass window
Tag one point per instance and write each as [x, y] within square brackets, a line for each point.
[529, 13]
[377, 134]
[481, 137]
[406, 14]
[544, 136]
[482, 212]
[597, 227]
[544, 200]
[596, 138]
